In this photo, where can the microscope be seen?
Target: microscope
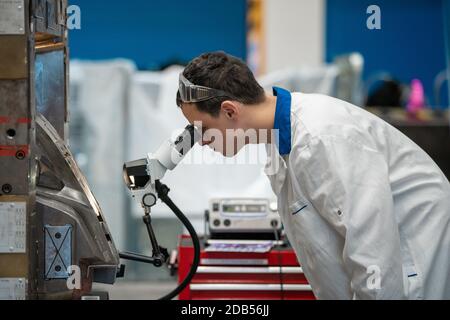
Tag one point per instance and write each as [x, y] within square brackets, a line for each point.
[142, 178]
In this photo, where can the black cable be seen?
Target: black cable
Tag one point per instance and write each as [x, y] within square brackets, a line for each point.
[163, 191]
[136, 257]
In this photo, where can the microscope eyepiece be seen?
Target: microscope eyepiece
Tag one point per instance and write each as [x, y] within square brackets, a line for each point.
[187, 139]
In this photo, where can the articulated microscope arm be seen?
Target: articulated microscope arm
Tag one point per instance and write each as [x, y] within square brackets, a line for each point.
[142, 178]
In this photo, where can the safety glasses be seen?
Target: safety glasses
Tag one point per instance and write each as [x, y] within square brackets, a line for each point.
[190, 92]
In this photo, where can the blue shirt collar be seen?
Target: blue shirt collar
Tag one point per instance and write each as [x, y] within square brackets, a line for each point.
[282, 121]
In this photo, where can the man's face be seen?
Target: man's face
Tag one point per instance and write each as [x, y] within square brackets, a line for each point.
[214, 129]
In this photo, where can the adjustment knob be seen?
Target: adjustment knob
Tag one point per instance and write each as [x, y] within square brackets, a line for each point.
[149, 200]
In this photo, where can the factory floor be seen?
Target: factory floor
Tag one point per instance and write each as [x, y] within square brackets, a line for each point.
[137, 290]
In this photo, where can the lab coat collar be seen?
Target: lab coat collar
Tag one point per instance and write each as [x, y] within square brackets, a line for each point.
[282, 121]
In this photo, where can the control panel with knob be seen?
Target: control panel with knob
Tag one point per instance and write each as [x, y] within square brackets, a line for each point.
[243, 215]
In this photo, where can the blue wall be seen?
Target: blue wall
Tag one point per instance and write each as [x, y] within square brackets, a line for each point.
[447, 37]
[409, 45]
[156, 32]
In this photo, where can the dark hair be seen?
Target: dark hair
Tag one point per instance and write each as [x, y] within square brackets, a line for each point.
[222, 71]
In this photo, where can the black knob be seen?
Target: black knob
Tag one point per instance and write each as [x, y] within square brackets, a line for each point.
[149, 200]
[227, 223]
[7, 188]
[216, 222]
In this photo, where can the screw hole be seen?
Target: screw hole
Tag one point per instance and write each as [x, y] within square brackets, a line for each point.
[20, 155]
[58, 268]
[11, 133]
[7, 188]
[58, 235]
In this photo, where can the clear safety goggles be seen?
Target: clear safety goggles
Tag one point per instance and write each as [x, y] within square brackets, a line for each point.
[190, 92]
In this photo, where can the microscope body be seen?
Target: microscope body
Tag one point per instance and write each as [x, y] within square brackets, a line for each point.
[141, 175]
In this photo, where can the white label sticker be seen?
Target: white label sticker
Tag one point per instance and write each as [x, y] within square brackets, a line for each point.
[12, 288]
[12, 17]
[12, 227]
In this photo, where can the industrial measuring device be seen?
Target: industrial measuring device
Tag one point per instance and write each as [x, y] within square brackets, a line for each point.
[243, 218]
[50, 222]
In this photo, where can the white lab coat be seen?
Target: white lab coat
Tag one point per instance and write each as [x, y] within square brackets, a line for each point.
[366, 210]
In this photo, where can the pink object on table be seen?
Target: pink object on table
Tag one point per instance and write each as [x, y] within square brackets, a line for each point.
[417, 97]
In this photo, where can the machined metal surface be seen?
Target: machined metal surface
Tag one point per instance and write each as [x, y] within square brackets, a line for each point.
[50, 88]
[14, 136]
[50, 16]
[13, 57]
[12, 17]
[64, 198]
[37, 170]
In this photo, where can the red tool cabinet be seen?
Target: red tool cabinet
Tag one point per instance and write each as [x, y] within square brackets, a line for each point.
[274, 275]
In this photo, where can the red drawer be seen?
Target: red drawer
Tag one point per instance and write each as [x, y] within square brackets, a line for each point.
[253, 274]
[235, 275]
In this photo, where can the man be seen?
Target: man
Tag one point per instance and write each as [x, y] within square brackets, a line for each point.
[366, 210]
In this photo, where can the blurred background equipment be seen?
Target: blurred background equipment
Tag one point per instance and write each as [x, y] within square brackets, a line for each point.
[400, 48]
[51, 226]
[243, 218]
[385, 91]
[244, 255]
[349, 81]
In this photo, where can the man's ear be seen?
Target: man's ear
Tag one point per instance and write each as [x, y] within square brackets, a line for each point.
[231, 109]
